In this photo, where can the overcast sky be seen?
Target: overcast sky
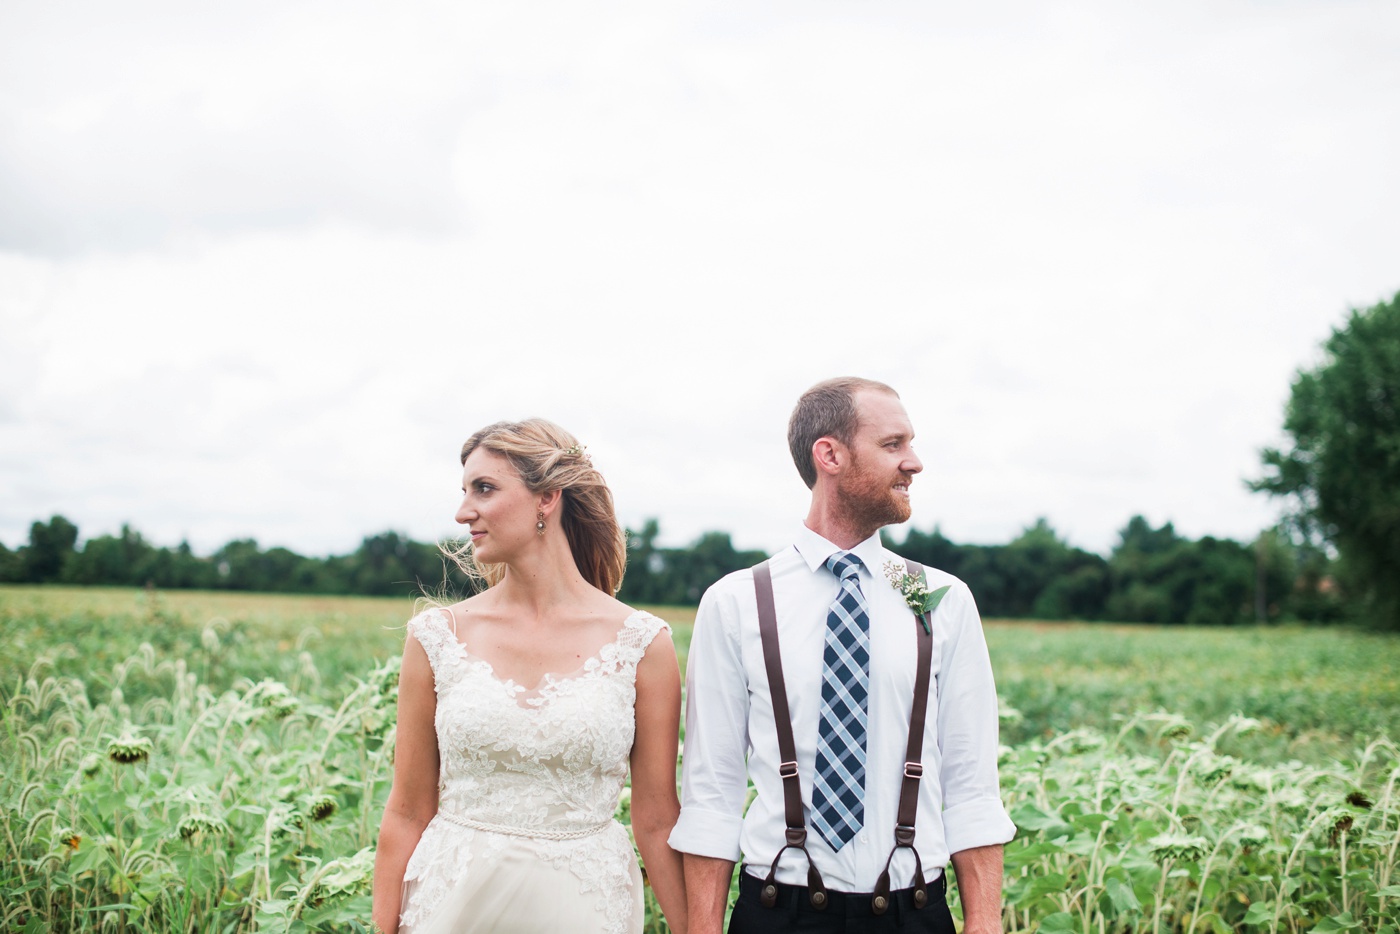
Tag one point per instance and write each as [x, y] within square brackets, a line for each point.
[265, 266]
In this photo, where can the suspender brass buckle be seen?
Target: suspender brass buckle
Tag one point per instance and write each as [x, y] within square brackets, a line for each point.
[787, 769]
[903, 836]
[913, 770]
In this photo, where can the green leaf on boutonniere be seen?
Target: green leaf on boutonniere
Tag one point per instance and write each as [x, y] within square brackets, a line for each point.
[917, 596]
[936, 597]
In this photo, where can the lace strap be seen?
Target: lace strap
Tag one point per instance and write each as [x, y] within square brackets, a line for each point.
[637, 634]
[431, 630]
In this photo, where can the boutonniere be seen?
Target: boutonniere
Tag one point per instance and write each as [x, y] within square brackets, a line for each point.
[915, 591]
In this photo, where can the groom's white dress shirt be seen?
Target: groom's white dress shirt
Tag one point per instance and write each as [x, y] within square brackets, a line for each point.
[730, 734]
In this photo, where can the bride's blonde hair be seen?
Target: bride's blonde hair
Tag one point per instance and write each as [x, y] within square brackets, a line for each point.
[549, 458]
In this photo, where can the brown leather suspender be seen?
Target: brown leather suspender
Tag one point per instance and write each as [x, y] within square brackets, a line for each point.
[796, 834]
[787, 749]
[913, 768]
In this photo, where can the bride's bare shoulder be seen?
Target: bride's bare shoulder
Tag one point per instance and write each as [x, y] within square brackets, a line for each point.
[613, 609]
[455, 613]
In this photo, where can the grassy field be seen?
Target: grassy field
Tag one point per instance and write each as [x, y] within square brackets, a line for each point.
[211, 761]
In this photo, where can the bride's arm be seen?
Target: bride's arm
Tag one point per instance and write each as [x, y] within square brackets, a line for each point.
[654, 802]
[413, 799]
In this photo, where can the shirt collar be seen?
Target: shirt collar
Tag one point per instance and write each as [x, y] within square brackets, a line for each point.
[815, 549]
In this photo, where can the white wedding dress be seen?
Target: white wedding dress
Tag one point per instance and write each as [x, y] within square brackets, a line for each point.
[524, 839]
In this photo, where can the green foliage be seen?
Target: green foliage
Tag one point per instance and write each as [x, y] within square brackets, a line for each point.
[1148, 828]
[1036, 575]
[1342, 472]
[1159, 577]
[1317, 693]
[1153, 575]
[11, 567]
[383, 565]
[677, 576]
[123, 559]
[208, 811]
[50, 546]
[218, 762]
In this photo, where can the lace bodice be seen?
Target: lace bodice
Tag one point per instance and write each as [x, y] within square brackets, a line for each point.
[541, 767]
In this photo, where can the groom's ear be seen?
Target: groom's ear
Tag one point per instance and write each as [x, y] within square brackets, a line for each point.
[829, 456]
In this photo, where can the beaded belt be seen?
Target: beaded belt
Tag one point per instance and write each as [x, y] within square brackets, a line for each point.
[540, 834]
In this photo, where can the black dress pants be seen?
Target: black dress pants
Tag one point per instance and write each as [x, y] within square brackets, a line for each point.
[845, 913]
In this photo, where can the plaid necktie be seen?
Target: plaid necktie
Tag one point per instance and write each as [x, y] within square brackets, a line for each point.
[838, 793]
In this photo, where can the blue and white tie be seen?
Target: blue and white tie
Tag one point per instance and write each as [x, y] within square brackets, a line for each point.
[838, 792]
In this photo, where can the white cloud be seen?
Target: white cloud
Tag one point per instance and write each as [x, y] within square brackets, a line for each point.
[126, 127]
[261, 271]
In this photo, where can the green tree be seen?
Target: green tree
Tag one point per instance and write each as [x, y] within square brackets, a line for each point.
[50, 549]
[1037, 575]
[931, 549]
[11, 567]
[1049, 579]
[1342, 472]
[237, 565]
[1159, 576]
[709, 557]
[678, 575]
[390, 564]
[186, 569]
[643, 581]
[107, 559]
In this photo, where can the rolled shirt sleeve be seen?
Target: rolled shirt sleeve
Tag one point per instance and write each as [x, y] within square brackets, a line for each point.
[973, 814]
[714, 778]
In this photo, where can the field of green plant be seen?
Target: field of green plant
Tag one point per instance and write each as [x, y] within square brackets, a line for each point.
[217, 762]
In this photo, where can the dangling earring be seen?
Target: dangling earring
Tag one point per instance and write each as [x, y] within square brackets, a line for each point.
[539, 523]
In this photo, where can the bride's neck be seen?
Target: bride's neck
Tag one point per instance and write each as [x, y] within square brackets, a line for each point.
[545, 579]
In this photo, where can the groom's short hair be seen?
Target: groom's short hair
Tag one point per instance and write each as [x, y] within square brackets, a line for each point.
[827, 410]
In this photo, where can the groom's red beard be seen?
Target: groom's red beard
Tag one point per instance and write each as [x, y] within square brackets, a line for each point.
[869, 499]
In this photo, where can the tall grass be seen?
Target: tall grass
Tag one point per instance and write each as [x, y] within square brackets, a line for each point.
[217, 762]
[251, 808]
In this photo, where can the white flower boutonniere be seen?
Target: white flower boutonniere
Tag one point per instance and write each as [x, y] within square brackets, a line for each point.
[915, 591]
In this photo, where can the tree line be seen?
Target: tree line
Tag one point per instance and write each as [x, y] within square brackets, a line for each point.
[1152, 575]
[387, 564]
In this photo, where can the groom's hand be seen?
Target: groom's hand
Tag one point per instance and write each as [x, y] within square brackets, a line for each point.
[706, 892]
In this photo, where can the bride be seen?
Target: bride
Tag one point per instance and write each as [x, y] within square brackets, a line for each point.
[520, 710]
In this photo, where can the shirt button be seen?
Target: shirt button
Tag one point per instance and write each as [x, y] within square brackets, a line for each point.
[864, 839]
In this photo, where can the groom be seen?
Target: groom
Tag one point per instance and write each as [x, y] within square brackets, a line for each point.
[885, 788]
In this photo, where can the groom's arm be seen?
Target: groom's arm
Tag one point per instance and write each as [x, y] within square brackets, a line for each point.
[714, 774]
[707, 891]
[979, 871]
[975, 822]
